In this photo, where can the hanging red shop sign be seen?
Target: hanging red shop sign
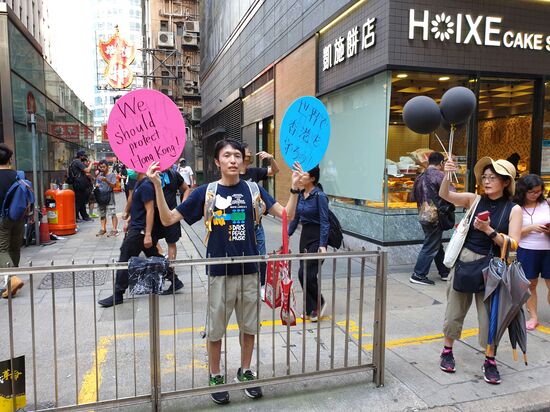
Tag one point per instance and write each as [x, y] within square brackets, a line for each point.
[118, 54]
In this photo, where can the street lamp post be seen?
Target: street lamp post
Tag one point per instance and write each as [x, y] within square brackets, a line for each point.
[32, 123]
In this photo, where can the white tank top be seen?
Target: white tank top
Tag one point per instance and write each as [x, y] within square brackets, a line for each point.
[540, 216]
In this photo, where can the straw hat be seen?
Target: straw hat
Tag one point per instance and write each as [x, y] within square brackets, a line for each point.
[501, 166]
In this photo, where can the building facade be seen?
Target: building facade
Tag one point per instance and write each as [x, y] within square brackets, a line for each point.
[365, 60]
[125, 18]
[173, 52]
[34, 16]
[29, 85]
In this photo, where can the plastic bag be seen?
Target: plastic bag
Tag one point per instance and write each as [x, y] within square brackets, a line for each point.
[146, 275]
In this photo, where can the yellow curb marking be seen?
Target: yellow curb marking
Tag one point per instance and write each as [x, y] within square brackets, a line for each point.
[422, 339]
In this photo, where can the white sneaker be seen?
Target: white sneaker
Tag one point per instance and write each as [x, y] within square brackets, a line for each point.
[323, 308]
[262, 293]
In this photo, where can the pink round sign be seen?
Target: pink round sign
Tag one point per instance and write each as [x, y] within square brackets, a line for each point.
[145, 126]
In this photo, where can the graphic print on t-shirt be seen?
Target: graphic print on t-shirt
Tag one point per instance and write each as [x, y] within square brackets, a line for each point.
[231, 210]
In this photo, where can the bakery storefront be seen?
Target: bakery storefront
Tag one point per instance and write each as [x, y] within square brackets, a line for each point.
[377, 55]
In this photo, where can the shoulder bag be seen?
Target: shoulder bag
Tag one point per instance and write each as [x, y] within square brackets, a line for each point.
[468, 276]
[459, 236]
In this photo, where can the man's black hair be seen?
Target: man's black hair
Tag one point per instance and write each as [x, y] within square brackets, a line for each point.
[228, 142]
[103, 162]
[435, 158]
[5, 154]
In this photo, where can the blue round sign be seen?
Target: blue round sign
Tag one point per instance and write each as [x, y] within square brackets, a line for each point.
[305, 132]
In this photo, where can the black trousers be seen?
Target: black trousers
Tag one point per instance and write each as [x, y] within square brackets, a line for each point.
[309, 243]
[81, 199]
[132, 245]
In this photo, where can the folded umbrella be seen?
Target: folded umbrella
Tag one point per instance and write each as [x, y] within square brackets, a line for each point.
[493, 289]
[517, 333]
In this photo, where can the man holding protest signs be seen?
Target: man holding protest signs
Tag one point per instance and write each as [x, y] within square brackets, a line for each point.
[231, 205]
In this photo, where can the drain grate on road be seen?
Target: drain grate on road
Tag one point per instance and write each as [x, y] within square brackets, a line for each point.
[65, 279]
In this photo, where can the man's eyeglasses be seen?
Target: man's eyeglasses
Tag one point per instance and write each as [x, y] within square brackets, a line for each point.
[490, 178]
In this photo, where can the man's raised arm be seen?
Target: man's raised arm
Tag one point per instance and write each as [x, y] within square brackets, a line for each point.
[167, 217]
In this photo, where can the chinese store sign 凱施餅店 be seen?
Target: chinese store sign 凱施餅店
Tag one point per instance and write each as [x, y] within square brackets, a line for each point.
[478, 30]
[343, 48]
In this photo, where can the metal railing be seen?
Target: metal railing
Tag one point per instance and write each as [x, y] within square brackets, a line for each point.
[151, 349]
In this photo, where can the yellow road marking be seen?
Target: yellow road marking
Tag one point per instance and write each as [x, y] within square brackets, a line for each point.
[543, 329]
[422, 339]
[88, 391]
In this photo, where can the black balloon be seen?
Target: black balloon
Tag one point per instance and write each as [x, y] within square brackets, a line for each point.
[457, 105]
[421, 114]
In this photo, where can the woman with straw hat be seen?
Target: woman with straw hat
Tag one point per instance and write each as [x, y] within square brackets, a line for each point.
[497, 179]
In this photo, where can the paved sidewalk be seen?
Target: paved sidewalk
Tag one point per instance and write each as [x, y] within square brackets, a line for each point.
[414, 341]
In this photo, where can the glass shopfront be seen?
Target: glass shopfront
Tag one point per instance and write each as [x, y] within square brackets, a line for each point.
[371, 170]
[545, 157]
[62, 120]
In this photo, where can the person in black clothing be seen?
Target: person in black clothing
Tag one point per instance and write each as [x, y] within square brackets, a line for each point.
[82, 185]
[11, 232]
[139, 237]
[172, 181]
[257, 174]
[485, 236]
[312, 212]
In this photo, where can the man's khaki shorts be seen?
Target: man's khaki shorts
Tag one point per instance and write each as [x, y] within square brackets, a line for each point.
[107, 210]
[239, 292]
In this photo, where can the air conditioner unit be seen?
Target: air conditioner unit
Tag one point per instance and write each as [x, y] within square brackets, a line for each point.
[165, 39]
[196, 113]
[189, 40]
[191, 26]
[190, 90]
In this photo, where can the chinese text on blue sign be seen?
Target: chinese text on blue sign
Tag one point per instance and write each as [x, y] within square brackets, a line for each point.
[305, 132]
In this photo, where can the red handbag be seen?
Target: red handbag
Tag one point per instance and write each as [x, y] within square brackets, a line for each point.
[279, 291]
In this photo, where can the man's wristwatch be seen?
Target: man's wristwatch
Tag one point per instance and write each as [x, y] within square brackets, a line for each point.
[294, 191]
[493, 234]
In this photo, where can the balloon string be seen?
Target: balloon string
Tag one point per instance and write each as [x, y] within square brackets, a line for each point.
[446, 154]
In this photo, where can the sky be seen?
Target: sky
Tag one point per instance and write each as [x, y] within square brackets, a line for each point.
[73, 45]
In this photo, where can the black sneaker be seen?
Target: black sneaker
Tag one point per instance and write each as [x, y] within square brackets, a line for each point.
[490, 372]
[447, 363]
[444, 277]
[176, 285]
[116, 299]
[248, 375]
[221, 398]
[421, 280]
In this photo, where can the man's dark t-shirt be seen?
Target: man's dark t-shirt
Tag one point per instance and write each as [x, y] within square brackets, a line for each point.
[255, 174]
[7, 177]
[144, 192]
[81, 181]
[170, 190]
[233, 231]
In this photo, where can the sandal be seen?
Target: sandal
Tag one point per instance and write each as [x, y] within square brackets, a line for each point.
[531, 325]
[101, 233]
[113, 233]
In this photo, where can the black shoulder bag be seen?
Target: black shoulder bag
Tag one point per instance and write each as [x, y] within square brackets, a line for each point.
[468, 276]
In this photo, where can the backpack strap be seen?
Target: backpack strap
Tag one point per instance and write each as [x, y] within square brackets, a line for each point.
[258, 203]
[209, 199]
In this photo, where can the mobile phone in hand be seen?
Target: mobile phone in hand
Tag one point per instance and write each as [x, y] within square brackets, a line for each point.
[483, 215]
